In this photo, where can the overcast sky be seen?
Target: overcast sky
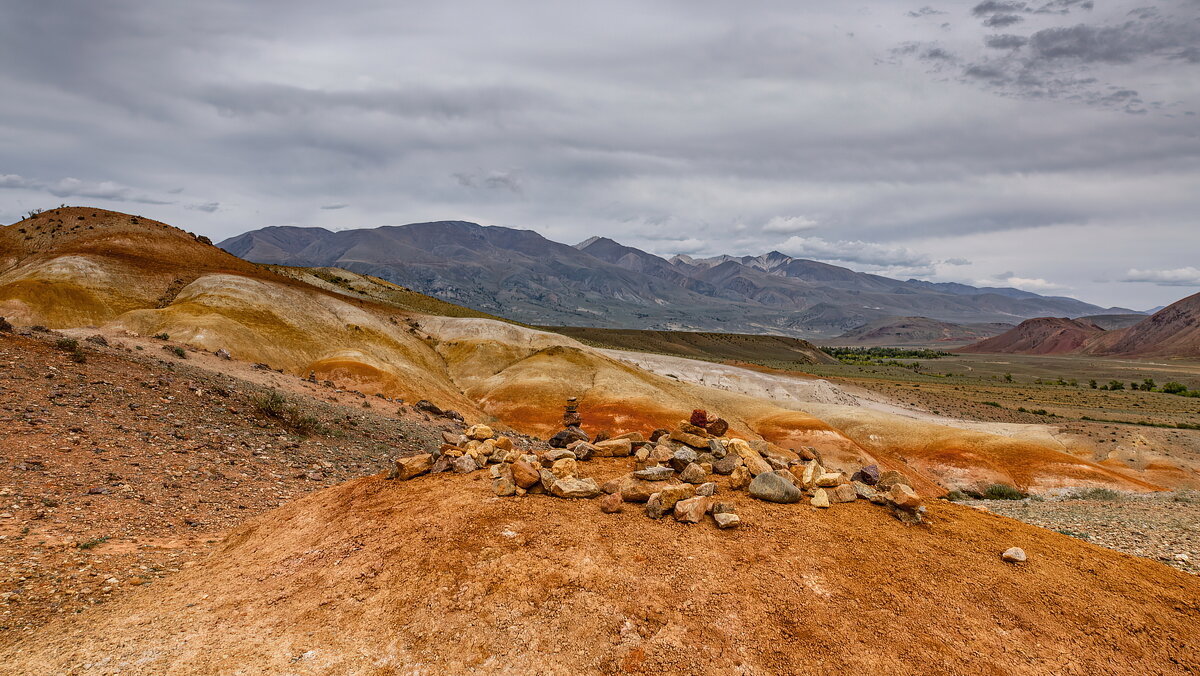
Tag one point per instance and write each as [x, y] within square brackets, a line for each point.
[1050, 145]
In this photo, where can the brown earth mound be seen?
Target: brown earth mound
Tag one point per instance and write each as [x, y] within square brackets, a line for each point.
[915, 331]
[1173, 331]
[1043, 335]
[435, 575]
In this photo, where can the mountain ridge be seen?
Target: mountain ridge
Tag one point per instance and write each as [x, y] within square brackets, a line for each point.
[600, 282]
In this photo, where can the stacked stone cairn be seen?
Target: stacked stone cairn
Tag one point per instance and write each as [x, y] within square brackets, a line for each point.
[672, 471]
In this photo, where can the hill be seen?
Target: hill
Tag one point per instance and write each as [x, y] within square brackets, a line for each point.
[373, 576]
[698, 345]
[1044, 335]
[1173, 331]
[523, 276]
[915, 331]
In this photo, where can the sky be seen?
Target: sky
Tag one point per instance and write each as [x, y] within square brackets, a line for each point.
[1051, 145]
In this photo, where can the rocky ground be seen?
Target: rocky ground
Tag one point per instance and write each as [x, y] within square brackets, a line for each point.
[1161, 526]
[129, 463]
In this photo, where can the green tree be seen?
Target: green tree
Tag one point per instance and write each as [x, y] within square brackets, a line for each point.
[1116, 385]
[1174, 388]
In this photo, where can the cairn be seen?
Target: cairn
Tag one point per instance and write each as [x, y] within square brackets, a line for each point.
[672, 470]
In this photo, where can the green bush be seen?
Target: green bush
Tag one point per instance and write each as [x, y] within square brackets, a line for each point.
[67, 344]
[1095, 494]
[1174, 388]
[1002, 492]
[162, 336]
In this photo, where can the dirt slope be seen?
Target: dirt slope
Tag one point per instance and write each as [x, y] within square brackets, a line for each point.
[438, 576]
[1044, 335]
[915, 331]
[699, 345]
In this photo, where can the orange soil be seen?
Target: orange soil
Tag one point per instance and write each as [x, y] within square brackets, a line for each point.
[436, 575]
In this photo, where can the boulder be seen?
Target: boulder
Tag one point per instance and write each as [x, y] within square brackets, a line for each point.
[503, 487]
[548, 479]
[774, 487]
[868, 475]
[739, 478]
[661, 453]
[444, 463]
[682, 458]
[574, 487]
[503, 443]
[654, 473]
[691, 510]
[524, 474]
[722, 508]
[414, 465]
[453, 439]
[717, 427]
[727, 520]
[726, 465]
[696, 430]
[820, 499]
[564, 468]
[693, 474]
[843, 493]
[611, 504]
[614, 448]
[479, 432]
[566, 436]
[707, 489]
[699, 417]
[812, 470]
[688, 439]
[465, 464]
[654, 507]
[634, 438]
[907, 517]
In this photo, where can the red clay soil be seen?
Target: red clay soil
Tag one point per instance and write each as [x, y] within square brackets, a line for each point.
[436, 575]
[1043, 335]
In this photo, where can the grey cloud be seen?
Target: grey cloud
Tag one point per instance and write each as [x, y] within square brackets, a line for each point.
[207, 207]
[1117, 44]
[505, 180]
[1005, 41]
[73, 187]
[1002, 20]
[332, 207]
[990, 7]
[924, 11]
[1186, 276]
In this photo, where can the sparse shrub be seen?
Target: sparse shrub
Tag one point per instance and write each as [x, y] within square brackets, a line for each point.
[1092, 384]
[1189, 496]
[1008, 377]
[1002, 492]
[956, 496]
[1074, 534]
[89, 544]
[275, 405]
[1174, 388]
[1116, 385]
[272, 404]
[1095, 494]
[162, 336]
[38, 328]
[67, 344]
[993, 404]
[176, 350]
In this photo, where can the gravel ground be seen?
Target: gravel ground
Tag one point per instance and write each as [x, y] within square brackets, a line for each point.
[1161, 526]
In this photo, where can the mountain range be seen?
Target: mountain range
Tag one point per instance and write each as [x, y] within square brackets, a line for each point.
[521, 275]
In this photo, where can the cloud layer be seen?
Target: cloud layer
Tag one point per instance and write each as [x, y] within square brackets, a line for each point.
[1052, 140]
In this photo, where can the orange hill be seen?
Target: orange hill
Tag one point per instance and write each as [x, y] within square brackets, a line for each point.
[1043, 335]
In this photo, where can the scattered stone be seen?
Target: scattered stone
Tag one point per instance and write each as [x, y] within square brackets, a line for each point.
[843, 493]
[820, 499]
[697, 430]
[718, 427]
[889, 479]
[779, 458]
[673, 493]
[465, 464]
[611, 504]
[863, 490]
[661, 453]
[717, 449]
[654, 507]
[722, 508]
[614, 448]
[452, 439]
[479, 432]
[503, 487]
[727, 520]
[774, 487]
[693, 474]
[654, 473]
[547, 480]
[524, 474]
[555, 454]
[429, 407]
[1014, 555]
[634, 438]
[566, 436]
[635, 490]
[868, 475]
[691, 510]
[415, 465]
[689, 439]
[564, 468]
[682, 458]
[659, 434]
[224, 354]
[904, 497]
[707, 489]
[812, 470]
[583, 450]
[727, 464]
[574, 487]
[829, 480]
[740, 478]
[699, 417]
[443, 464]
